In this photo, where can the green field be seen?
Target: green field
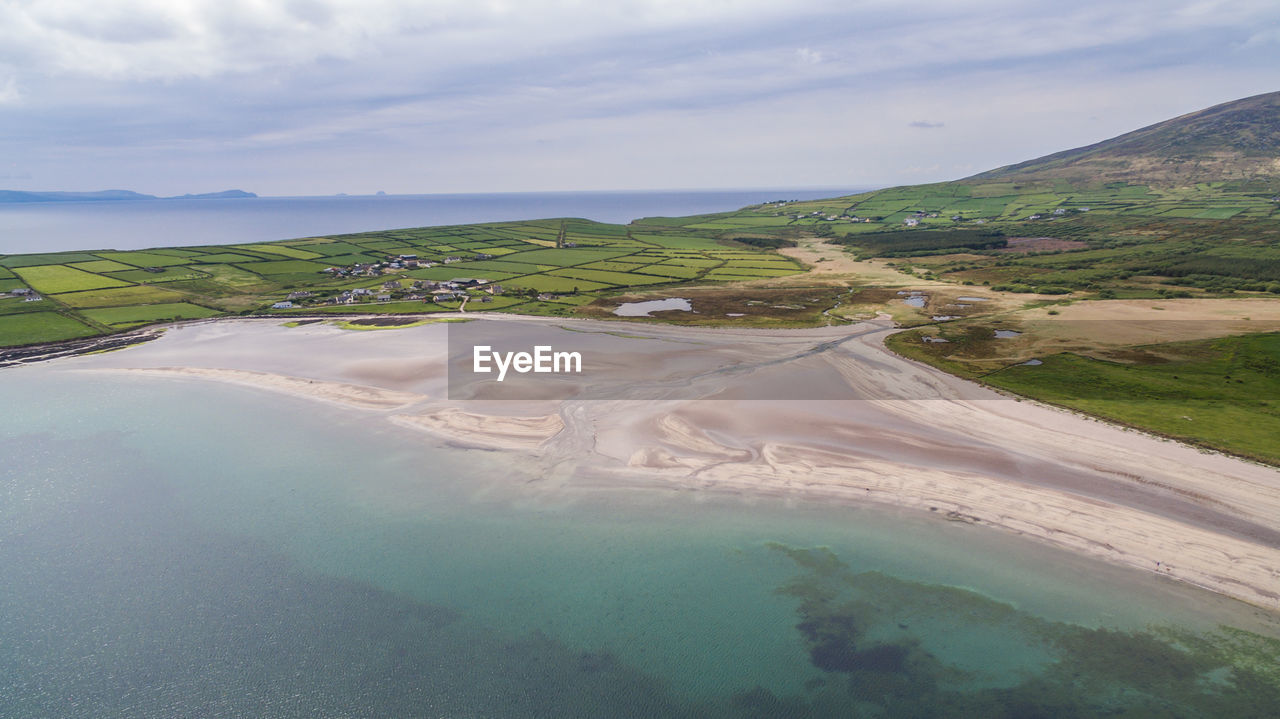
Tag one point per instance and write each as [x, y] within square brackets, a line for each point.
[450, 272]
[168, 274]
[1222, 393]
[283, 267]
[118, 297]
[620, 279]
[145, 259]
[15, 305]
[34, 327]
[60, 278]
[279, 249]
[57, 258]
[138, 314]
[228, 257]
[101, 266]
[551, 283]
[673, 271]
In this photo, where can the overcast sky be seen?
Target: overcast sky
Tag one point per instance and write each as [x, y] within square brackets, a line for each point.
[322, 96]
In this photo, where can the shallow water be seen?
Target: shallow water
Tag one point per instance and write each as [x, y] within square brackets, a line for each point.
[176, 548]
[642, 309]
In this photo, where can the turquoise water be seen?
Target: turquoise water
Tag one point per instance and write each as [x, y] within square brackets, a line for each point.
[175, 548]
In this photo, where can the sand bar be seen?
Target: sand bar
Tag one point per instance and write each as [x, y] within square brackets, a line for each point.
[348, 395]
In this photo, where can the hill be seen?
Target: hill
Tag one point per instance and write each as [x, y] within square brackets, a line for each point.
[1237, 140]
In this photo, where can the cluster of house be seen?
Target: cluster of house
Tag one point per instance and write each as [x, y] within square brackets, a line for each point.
[27, 295]
[846, 217]
[1059, 212]
[918, 215]
[373, 269]
[396, 290]
[397, 262]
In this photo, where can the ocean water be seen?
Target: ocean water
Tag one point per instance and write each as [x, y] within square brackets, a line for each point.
[172, 548]
[131, 225]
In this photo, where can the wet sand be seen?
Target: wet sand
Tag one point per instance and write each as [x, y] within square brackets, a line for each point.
[827, 414]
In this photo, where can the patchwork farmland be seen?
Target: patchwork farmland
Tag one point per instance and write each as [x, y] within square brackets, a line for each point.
[540, 267]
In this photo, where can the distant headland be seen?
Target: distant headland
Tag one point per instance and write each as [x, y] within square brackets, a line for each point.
[112, 196]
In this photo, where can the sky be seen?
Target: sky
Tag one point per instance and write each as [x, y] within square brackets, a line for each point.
[314, 97]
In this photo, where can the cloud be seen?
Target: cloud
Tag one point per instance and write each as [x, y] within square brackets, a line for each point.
[153, 88]
[9, 93]
[808, 56]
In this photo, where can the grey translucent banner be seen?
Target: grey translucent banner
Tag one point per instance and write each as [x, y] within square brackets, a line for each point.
[547, 360]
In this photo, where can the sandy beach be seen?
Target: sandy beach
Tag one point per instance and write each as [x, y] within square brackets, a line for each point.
[825, 414]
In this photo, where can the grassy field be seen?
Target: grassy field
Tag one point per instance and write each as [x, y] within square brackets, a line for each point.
[33, 327]
[140, 314]
[1221, 393]
[61, 278]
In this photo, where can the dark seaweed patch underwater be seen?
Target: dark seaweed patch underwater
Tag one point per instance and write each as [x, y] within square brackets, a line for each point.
[148, 619]
[857, 626]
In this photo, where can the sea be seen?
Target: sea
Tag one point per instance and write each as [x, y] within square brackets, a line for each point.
[178, 548]
[139, 224]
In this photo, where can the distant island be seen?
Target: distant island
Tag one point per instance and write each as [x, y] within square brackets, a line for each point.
[112, 196]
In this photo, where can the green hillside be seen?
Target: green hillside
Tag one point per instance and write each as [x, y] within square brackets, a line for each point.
[1238, 140]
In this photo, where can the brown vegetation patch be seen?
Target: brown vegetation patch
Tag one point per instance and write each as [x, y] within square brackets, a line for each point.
[1131, 356]
[1042, 244]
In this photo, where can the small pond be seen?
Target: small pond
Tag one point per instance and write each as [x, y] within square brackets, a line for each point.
[642, 309]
